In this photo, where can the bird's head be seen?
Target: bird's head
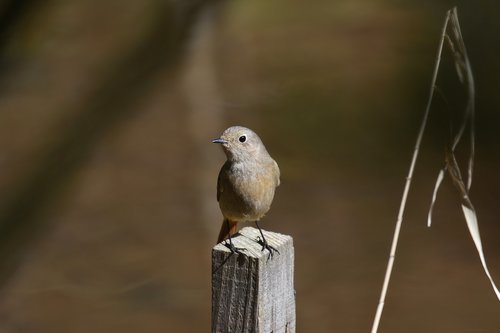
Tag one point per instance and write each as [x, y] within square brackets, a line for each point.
[240, 144]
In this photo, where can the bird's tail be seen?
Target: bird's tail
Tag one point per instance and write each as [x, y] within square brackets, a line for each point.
[227, 230]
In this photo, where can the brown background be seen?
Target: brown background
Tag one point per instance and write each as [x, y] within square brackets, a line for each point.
[107, 173]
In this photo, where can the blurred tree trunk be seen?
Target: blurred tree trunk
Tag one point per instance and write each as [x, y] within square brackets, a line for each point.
[112, 100]
[205, 105]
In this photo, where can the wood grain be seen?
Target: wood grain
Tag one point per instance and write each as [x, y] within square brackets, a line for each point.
[250, 291]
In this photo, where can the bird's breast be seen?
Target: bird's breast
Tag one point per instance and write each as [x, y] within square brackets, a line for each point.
[248, 191]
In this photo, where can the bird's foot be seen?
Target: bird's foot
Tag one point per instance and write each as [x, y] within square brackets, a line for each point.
[265, 246]
[233, 248]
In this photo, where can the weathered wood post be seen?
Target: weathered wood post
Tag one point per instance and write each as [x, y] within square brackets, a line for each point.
[251, 293]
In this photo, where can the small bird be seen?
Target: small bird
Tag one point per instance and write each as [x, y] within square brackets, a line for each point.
[246, 183]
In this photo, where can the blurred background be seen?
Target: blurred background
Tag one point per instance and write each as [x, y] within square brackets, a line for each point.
[107, 170]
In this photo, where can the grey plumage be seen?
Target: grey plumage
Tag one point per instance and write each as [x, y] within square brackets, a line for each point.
[248, 179]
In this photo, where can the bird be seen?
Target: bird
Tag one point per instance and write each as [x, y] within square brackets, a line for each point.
[246, 183]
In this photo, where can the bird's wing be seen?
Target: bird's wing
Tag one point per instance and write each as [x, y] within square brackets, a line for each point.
[220, 187]
[277, 173]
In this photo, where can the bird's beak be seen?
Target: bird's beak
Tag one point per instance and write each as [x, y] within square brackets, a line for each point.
[219, 140]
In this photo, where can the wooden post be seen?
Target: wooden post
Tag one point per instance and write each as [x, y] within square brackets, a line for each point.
[251, 293]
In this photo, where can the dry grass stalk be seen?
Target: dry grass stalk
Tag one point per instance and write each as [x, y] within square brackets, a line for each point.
[453, 36]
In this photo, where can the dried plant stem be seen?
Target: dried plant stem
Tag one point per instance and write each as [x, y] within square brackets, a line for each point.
[399, 221]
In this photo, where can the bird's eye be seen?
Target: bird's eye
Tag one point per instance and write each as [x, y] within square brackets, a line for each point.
[242, 138]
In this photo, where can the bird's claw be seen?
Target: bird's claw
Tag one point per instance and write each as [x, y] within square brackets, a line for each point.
[266, 246]
[233, 248]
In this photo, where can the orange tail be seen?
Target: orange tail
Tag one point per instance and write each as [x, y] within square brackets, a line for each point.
[227, 229]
